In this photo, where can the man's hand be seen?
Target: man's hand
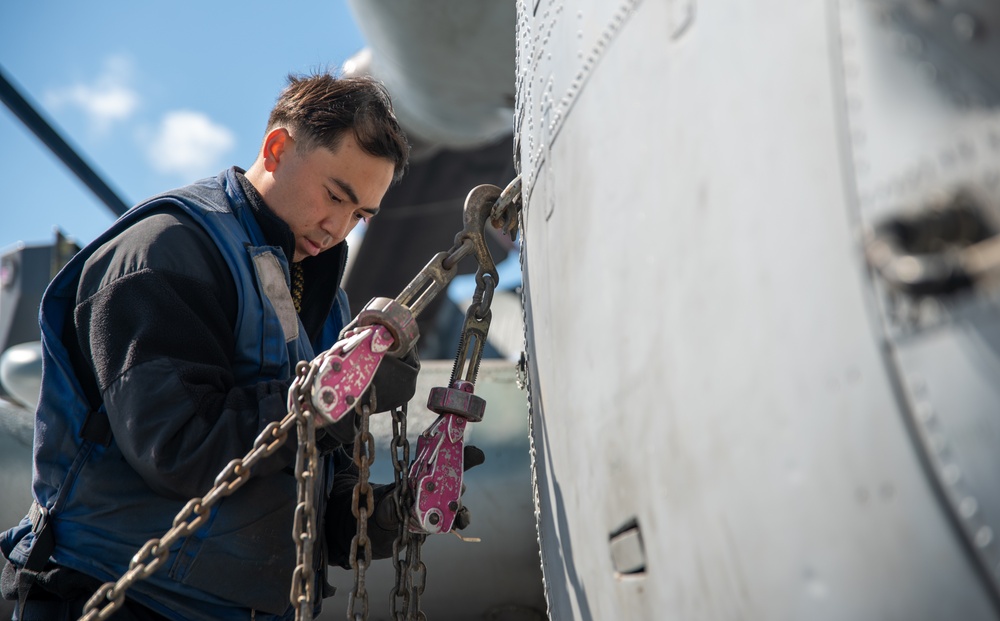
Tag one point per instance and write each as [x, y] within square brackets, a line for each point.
[385, 510]
[395, 381]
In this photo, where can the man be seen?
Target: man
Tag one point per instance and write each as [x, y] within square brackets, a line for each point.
[170, 343]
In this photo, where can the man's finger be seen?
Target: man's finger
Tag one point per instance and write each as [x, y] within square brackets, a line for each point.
[472, 456]
[462, 519]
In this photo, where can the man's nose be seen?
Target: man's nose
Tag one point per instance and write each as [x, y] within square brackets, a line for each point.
[337, 228]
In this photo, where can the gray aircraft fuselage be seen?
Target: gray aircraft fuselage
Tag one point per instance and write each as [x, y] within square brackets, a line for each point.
[763, 376]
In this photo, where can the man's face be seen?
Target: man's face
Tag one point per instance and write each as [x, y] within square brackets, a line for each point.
[321, 194]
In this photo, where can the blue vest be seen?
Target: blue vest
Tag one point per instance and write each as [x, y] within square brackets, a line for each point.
[102, 511]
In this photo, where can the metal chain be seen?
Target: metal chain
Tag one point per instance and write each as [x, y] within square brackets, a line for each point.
[399, 596]
[418, 577]
[304, 528]
[196, 512]
[404, 598]
[364, 456]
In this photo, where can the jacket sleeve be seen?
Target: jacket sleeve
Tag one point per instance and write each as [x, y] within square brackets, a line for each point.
[154, 318]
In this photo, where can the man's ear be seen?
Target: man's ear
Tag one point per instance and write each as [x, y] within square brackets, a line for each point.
[276, 143]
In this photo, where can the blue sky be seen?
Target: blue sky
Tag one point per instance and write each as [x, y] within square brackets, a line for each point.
[152, 94]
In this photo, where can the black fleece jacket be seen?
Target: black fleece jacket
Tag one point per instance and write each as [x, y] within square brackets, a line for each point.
[154, 322]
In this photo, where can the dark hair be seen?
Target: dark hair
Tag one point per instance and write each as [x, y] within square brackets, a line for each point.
[319, 109]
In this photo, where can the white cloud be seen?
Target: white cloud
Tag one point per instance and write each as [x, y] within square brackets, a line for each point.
[189, 143]
[110, 98]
